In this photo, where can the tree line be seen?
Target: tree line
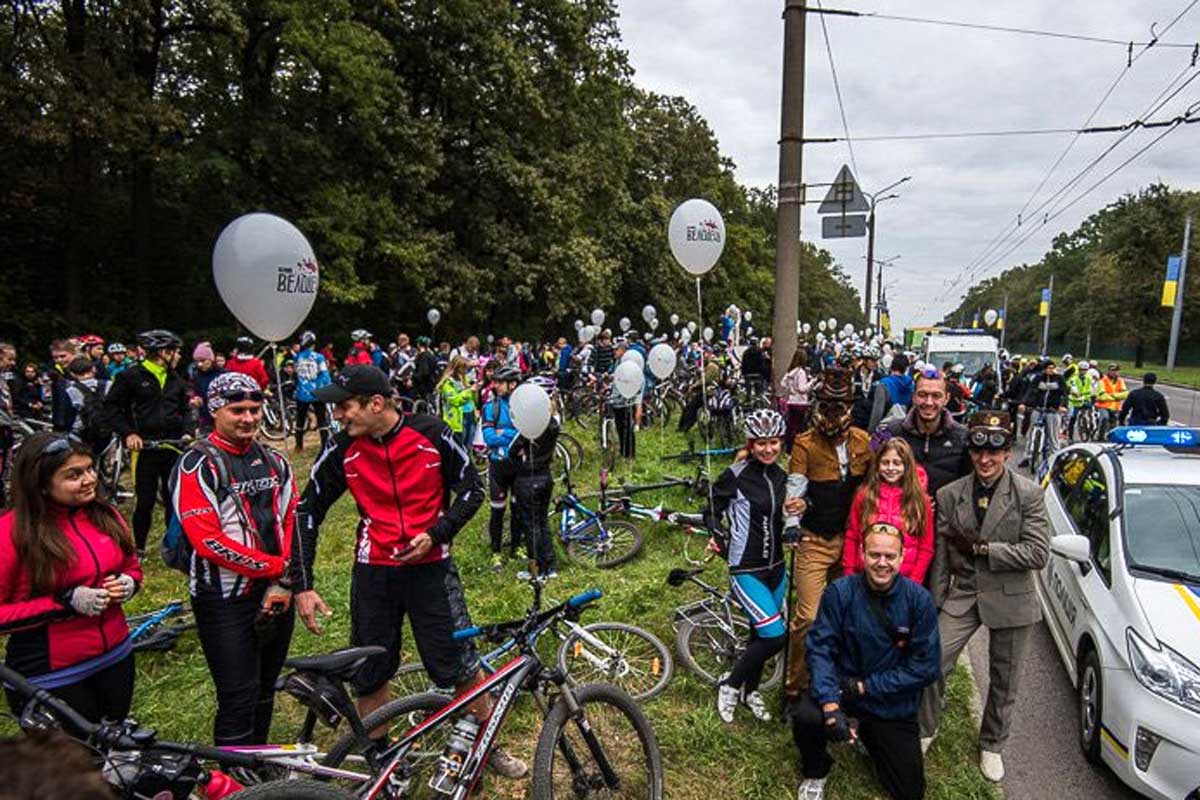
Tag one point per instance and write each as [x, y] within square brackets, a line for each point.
[491, 158]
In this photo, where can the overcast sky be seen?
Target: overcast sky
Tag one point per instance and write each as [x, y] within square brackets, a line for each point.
[896, 77]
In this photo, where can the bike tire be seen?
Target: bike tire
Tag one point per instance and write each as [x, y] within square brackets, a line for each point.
[270, 426]
[404, 714]
[609, 444]
[625, 735]
[573, 447]
[610, 552]
[720, 652]
[629, 669]
[292, 790]
[411, 679]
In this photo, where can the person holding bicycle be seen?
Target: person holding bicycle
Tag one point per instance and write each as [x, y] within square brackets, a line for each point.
[67, 567]
[750, 495]
[149, 401]
[1047, 399]
[235, 501]
[1081, 392]
[1112, 392]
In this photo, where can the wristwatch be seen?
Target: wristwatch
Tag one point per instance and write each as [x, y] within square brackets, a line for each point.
[980, 548]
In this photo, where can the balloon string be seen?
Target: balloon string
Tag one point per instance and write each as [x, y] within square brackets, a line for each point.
[704, 400]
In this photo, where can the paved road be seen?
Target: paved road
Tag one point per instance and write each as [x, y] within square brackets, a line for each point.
[1184, 404]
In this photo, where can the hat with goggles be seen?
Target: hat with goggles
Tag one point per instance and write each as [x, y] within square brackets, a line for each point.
[989, 430]
[232, 387]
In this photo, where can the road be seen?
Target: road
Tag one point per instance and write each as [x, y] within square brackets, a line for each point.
[1184, 404]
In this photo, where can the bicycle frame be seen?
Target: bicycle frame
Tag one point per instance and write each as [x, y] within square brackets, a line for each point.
[172, 609]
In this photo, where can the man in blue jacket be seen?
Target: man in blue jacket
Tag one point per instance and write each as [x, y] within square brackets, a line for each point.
[499, 433]
[871, 651]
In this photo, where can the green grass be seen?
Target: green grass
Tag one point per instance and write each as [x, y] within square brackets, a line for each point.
[704, 758]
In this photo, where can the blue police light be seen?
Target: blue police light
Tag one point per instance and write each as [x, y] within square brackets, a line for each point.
[1159, 435]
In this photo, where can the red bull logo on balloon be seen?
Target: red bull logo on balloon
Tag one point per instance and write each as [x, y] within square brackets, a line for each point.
[298, 279]
[704, 231]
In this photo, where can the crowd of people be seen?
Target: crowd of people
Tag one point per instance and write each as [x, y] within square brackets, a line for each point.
[908, 527]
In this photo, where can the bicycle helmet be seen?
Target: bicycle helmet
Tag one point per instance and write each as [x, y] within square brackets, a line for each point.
[116, 347]
[307, 338]
[158, 339]
[507, 374]
[1084, 366]
[245, 343]
[872, 352]
[360, 335]
[90, 340]
[1067, 358]
[763, 423]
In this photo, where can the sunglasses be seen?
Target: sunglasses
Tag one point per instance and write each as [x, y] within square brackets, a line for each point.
[931, 373]
[61, 444]
[242, 397]
[989, 440]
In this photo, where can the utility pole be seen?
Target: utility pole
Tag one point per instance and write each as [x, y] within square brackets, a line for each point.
[879, 298]
[1177, 314]
[870, 261]
[1046, 324]
[791, 191]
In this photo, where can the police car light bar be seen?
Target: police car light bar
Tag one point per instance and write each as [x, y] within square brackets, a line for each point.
[1160, 435]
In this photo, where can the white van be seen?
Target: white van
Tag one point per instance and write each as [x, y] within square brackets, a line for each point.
[971, 348]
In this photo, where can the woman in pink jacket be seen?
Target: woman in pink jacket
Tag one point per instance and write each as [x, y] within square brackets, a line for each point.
[894, 492]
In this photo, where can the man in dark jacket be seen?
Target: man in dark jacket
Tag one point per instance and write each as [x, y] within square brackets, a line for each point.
[937, 440]
[871, 651]
[1145, 405]
[871, 399]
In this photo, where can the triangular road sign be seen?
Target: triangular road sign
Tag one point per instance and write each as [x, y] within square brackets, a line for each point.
[844, 195]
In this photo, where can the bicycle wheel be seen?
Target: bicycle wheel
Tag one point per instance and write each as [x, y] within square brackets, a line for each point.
[398, 717]
[565, 766]
[272, 427]
[609, 443]
[613, 544]
[1036, 438]
[572, 447]
[695, 548]
[626, 656]
[709, 650]
[291, 790]
[411, 679]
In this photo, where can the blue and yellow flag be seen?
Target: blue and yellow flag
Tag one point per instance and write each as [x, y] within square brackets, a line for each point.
[975, 321]
[1000, 319]
[1171, 284]
[1044, 308]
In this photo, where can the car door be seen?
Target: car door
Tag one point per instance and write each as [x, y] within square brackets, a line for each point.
[1088, 602]
[1060, 577]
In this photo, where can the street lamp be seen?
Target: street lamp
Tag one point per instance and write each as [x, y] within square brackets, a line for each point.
[876, 198]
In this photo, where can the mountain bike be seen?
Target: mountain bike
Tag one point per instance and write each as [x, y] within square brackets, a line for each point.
[159, 630]
[712, 633]
[595, 741]
[590, 537]
[695, 543]
[1040, 449]
[116, 460]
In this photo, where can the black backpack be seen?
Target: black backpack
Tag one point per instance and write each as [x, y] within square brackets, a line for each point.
[94, 427]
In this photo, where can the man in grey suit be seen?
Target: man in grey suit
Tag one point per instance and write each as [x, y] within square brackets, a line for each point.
[993, 534]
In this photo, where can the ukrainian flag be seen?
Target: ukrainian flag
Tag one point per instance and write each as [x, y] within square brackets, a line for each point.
[1171, 284]
[1000, 319]
[1044, 308]
[975, 322]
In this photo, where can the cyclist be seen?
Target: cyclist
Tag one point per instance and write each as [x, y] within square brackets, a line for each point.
[203, 373]
[62, 351]
[1145, 406]
[425, 370]
[245, 362]
[1047, 399]
[360, 348]
[603, 358]
[533, 488]
[1081, 392]
[402, 472]
[870, 400]
[116, 360]
[312, 372]
[67, 566]
[235, 501]
[957, 390]
[795, 386]
[938, 441]
[86, 392]
[149, 401]
[1111, 393]
[499, 433]
[750, 495]
[93, 347]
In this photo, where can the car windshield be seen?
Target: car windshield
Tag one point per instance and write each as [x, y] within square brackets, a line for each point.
[972, 361]
[1162, 528]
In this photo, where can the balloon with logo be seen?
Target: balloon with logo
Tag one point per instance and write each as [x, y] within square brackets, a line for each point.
[625, 323]
[662, 361]
[266, 273]
[529, 406]
[674, 320]
[628, 379]
[696, 234]
[648, 313]
[434, 316]
[708, 334]
[635, 357]
[598, 317]
[990, 316]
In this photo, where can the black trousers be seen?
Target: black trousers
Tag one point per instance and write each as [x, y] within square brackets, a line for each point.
[322, 412]
[245, 656]
[531, 509]
[626, 417]
[894, 746]
[501, 475]
[106, 695]
[150, 484]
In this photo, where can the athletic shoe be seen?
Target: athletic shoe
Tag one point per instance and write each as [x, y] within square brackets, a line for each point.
[991, 765]
[926, 742]
[507, 766]
[727, 700]
[811, 789]
[758, 707]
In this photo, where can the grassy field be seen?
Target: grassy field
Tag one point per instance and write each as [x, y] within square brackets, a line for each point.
[704, 758]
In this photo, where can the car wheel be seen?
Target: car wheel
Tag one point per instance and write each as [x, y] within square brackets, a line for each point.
[1091, 706]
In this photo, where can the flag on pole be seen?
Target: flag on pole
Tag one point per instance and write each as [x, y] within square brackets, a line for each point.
[975, 321]
[1171, 283]
[1000, 319]
[1044, 308]
[885, 319]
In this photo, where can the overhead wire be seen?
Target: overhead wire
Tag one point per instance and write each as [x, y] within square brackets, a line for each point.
[837, 88]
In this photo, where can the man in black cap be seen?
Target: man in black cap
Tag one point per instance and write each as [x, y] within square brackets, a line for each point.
[1145, 405]
[993, 534]
[402, 472]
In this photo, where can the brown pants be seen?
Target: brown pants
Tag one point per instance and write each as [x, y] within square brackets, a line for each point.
[816, 558]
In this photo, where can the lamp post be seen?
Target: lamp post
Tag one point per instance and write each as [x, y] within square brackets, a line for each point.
[875, 198]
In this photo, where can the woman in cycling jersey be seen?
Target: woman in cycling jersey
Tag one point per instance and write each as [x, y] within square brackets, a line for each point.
[750, 494]
[67, 565]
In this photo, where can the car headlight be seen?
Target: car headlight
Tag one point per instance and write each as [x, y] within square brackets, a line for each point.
[1164, 672]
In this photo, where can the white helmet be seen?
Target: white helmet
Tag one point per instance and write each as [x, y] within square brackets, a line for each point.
[764, 423]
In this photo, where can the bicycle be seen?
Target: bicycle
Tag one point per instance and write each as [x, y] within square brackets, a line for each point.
[594, 742]
[692, 523]
[1088, 424]
[150, 631]
[628, 657]
[692, 454]
[116, 459]
[1040, 449]
[589, 536]
[712, 633]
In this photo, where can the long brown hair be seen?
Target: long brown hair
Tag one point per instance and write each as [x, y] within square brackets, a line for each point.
[44, 549]
[912, 502]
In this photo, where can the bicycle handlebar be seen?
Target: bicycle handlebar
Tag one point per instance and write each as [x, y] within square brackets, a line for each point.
[508, 628]
[582, 599]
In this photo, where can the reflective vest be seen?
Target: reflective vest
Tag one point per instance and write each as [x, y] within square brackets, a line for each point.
[1114, 391]
[1081, 389]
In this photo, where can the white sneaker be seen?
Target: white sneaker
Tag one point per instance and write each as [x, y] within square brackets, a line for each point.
[727, 700]
[991, 765]
[811, 789]
[758, 707]
[926, 742]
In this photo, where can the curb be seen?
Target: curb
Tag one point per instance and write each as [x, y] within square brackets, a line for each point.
[975, 702]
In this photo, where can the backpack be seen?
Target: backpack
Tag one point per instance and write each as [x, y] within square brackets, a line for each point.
[175, 549]
[93, 423]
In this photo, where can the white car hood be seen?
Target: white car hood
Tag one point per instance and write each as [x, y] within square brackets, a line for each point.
[1173, 611]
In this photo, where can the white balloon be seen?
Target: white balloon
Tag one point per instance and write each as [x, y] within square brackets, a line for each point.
[635, 356]
[491, 338]
[597, 317]
[685, 336]
[849, 329]
[708, 334]
[654, 324]
[749, 330]
[691, 326]
[697, 235]
[433, 315]
[529, 406]
[832, 323]
[807, 327]
[990, 316]
[578, 324]
[628, 379]
[586, 333]
[747, 316]
[625, 323]
[674, 320]
[266, 273]
[799, 328]
[648, 313]
[662, 361]
[820, 337]
[647, 336]
[675, 335]
[821, 325]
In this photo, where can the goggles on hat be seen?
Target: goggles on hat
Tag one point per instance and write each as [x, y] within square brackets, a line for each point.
[995, 440]
[242, 397]
[932, 373]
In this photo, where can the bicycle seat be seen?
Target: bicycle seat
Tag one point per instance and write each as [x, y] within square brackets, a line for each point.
[677, 576]
[340, 664]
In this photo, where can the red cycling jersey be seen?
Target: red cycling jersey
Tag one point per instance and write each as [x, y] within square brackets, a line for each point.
[249, 365]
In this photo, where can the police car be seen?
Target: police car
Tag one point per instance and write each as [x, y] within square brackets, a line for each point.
[1121, 595]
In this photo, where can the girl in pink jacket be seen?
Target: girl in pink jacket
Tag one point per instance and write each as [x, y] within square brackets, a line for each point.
[895, 491]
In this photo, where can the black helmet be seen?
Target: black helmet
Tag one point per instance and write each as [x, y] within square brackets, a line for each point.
[245, 343]
[507, 373]
[307, 338]
[158, 339]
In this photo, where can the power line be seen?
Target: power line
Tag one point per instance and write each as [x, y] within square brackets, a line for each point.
[910, 137]
[837, 88]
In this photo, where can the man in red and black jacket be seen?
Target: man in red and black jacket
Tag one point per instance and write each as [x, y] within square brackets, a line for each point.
[415, 489]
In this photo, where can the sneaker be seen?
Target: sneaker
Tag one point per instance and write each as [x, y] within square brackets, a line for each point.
[991, 765]
[727, 700]
[497, 562]
[926, 742]
[811, 789]
[507, 766]
[758, 707]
